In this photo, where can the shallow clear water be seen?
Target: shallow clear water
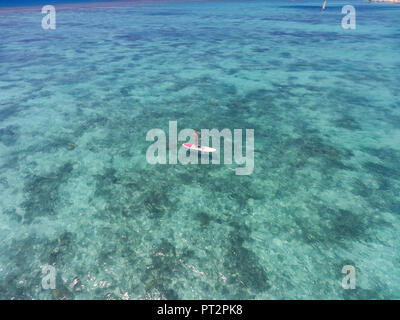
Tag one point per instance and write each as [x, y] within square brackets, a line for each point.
[77, 193]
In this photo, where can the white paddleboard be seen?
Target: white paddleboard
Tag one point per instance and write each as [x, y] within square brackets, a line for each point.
[199, 148]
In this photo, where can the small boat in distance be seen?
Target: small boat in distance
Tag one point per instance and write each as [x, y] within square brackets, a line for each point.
[323, 6]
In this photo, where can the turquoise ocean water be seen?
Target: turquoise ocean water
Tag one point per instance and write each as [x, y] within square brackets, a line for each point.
[77, 193]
